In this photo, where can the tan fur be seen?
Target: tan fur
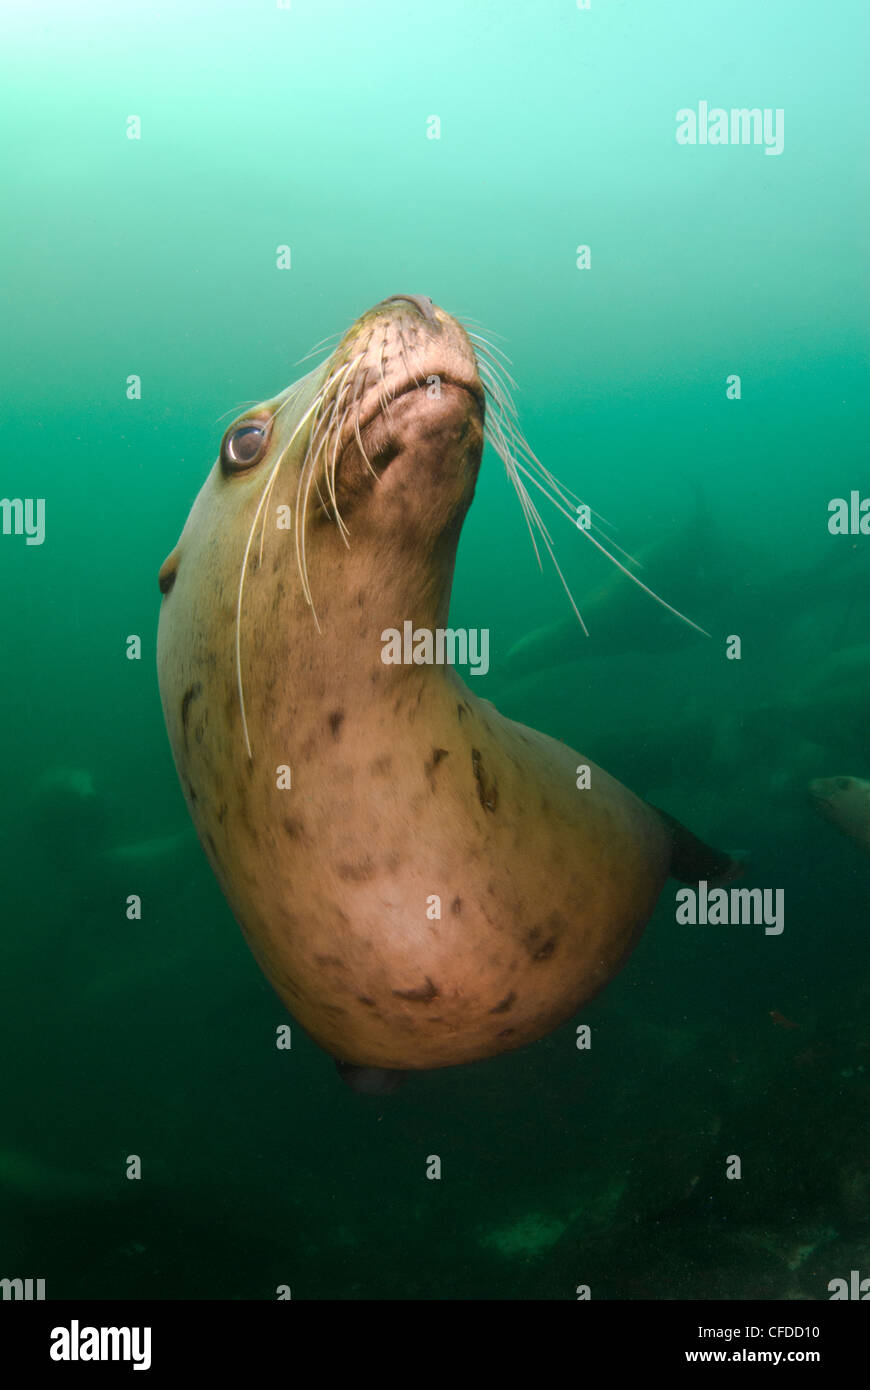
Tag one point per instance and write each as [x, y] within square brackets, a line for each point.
[404, 784]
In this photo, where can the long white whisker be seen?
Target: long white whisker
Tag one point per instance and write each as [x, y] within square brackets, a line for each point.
[318, 347]
[236, 410]
[307, 479]
[504, 434]
[633, 577]
[240, 596]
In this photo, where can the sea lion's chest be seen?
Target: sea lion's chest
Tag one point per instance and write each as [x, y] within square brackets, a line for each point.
[421, 880]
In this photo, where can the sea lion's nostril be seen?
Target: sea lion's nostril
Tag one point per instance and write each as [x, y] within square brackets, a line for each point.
[422, 302]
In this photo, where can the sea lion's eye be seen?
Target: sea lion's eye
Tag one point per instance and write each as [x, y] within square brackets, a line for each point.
[243, 446]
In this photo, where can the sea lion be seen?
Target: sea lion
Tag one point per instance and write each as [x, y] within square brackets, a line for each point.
[845, 802]
[421, 879]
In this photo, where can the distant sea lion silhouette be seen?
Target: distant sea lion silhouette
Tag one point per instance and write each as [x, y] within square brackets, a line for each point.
[68, 815]
[420, 879]
[845, 802]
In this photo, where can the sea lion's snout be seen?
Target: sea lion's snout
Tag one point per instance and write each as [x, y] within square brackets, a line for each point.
[824, 790]
[404, 391]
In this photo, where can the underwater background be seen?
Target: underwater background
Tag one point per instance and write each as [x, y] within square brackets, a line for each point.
[310, 127]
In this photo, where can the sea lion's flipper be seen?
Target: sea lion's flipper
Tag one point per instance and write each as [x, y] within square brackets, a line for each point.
[692, 861]
[370, 1081]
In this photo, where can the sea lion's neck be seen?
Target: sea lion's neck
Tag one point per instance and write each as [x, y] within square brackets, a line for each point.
[371, 592]
[381, 630]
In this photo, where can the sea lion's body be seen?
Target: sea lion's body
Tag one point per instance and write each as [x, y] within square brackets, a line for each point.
[434, 887]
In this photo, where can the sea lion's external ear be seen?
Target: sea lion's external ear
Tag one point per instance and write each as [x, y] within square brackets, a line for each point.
[168, 571]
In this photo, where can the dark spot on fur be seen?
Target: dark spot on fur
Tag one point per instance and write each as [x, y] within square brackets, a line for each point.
[336, 720]
[424, 995]
[460, 711]
[381, 766]
[222, 811]
[456, 906]
[506, 1032]
[356, 873]
[544, 952]
[487, 787]
[539, 949]
[211, 844]
[190, 694]
[334, 1009]
[504, 1004]
[364, 999]
[330, 960]
[248, 825]
[294, 828]
[432, 762]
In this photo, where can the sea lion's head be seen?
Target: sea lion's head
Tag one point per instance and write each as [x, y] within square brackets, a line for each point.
[845, 801]
[385, 437]
[339, 502]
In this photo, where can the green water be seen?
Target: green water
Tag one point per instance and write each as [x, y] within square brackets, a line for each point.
[157, 257]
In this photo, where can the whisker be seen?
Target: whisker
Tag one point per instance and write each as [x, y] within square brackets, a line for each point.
[465, 319]
[504, 434]
[484, 343]
[263, 502]
[235, 410]
[633, 577]
[319, 347]
[307, 480]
